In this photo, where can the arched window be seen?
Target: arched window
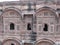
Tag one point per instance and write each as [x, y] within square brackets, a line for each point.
[12, 26]
[28, 26]
[45, 27]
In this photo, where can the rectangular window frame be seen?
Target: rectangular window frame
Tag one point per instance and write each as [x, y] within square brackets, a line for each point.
[52, 28]
[40, 26]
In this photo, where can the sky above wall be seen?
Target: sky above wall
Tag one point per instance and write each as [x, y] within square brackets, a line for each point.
[8, 0]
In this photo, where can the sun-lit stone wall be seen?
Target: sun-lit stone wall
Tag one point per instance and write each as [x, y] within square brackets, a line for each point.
[39, 13]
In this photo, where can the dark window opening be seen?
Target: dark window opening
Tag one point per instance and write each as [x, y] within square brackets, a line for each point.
[28, 26]
[45, 27]
[11, 26]
[59, 14]
[0, 10]
[58, 9]
[12, 44]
